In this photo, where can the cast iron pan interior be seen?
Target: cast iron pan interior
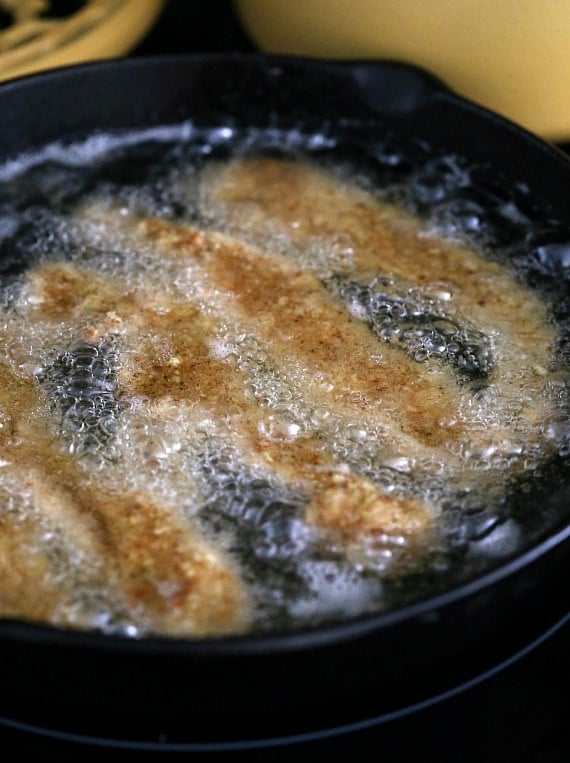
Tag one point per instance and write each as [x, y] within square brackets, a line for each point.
[168, 692]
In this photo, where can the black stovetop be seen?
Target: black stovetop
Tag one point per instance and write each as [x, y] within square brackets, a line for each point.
[519, 714]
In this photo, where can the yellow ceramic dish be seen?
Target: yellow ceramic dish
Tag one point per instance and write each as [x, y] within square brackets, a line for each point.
[512, 56]
[98, 29]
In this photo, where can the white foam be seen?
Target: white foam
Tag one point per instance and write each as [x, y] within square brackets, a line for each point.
[81, 153]
[333, 591]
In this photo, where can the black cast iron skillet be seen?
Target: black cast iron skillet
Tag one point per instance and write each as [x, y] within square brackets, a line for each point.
[230, 691]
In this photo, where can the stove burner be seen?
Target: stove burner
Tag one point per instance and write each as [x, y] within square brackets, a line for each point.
[487, 679]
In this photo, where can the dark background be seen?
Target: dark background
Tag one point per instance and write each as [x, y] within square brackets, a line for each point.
[490, 722]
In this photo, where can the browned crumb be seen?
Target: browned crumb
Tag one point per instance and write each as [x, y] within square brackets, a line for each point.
[352, 507]
[164, 573]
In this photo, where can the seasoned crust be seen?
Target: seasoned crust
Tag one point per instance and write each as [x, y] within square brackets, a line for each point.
[352, 508]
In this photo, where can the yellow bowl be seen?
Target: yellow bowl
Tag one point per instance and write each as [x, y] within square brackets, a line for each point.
[512, 56]
[99, 29]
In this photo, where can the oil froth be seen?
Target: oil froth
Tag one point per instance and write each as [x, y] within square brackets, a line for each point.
[263, 370]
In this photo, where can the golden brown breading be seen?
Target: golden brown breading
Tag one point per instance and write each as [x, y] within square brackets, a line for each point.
[267, 197]
[158, 568]
[352, 508]
[29, 588]
[291, 310]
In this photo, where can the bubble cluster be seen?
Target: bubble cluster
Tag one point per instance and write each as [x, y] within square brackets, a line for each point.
[81, 385]
[417, 323]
